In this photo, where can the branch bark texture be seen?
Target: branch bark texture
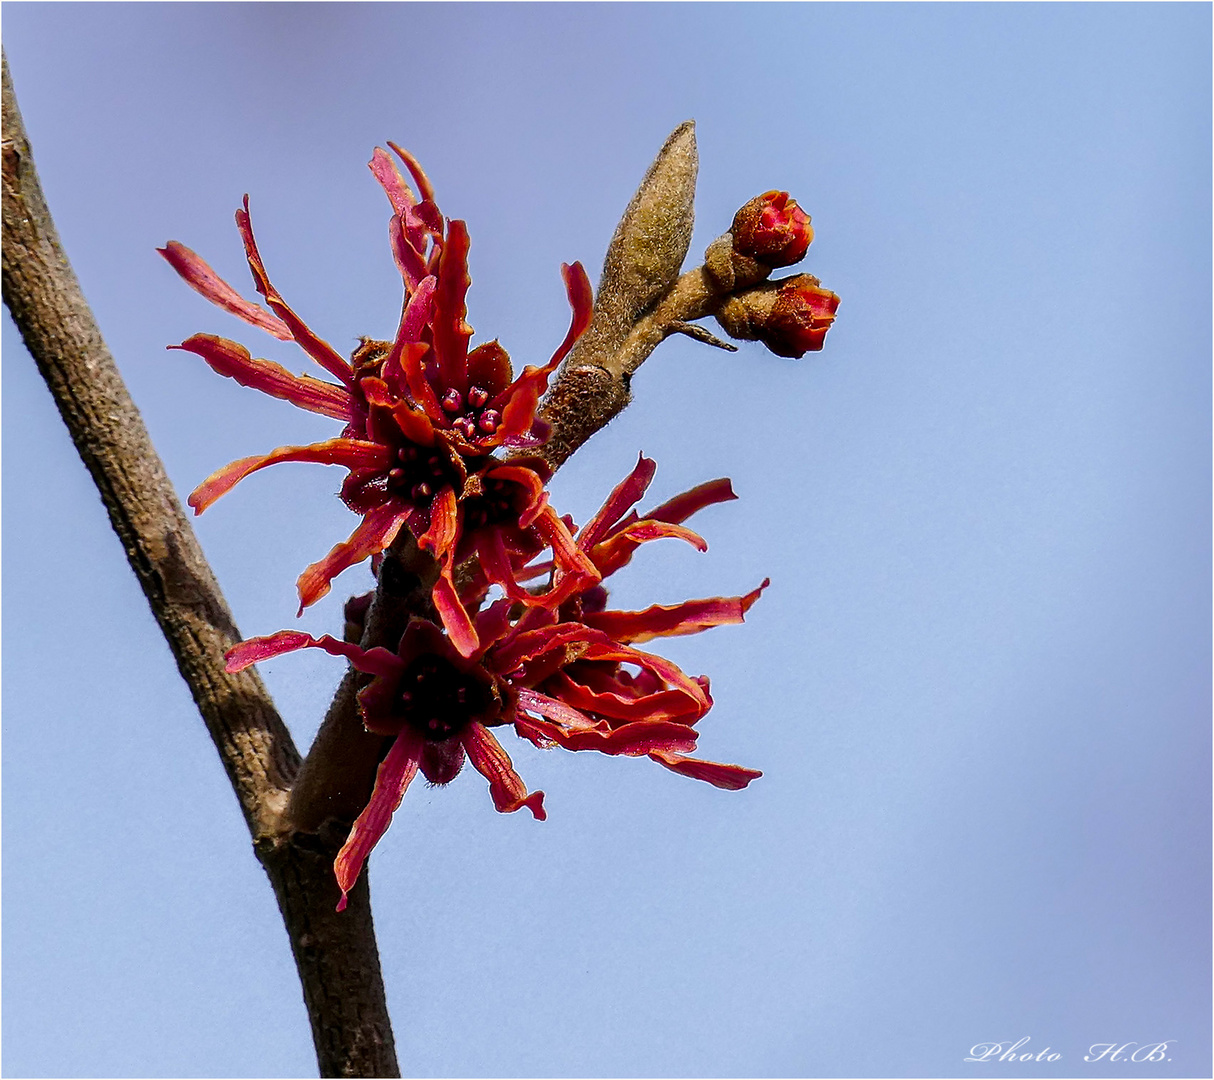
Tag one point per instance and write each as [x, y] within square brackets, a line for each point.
[337, 957]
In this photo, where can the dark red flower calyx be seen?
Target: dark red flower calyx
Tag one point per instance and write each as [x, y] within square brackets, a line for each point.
[500, 502]
[437, 700]
[421, 472]
[430, 690]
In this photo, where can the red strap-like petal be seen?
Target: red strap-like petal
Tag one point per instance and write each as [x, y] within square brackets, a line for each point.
[390, 179]
[320, 351]
[689, 617]
[451, 331]
[350, 453]
[625, 706]
[411, 228]
[374, 533]
[419, 386]
[204, 281]
[729, 777]
[233, 360]
[495, 562]
[413, 318]
[456, 620]
[626, 494]
[414, 424]
[630, 740]
[375, 661]
[518, 402]
[440, 539]
[617, 550]
[681, 507]
[410, 263]
[575, 572]
[506, 787]
[550, 708]
[665, 669]
[392, 779]
[581, 300]
[491, 623]
[443, 531]
[424, 187]
[526, 645]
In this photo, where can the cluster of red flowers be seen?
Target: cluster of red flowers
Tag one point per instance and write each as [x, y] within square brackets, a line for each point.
[423, 417]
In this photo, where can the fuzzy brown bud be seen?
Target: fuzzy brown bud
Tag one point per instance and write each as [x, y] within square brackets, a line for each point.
[728, 269]
[791, 316]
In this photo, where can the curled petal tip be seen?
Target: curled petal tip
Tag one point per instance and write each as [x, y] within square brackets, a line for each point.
[535, 803]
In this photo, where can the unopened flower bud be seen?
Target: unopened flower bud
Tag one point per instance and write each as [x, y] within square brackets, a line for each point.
[791, 317]
[773, 229]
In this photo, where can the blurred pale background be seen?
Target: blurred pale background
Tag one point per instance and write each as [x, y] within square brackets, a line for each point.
[978, 687]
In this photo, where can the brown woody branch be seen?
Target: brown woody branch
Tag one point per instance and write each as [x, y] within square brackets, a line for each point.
[336, 956]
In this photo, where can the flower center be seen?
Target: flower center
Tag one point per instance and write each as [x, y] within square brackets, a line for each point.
[437, 700]
[421, 472]
[498, 504]
[469, 415]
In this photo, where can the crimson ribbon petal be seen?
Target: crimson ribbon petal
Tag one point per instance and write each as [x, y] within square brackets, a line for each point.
[729, 777]
[424, 188]
[665, 669]
[623, 705]
[506, 787]
[441, 539]
[626, 494]
[451, 331]
[392, 779]
[517, 403]
[569, 718]
[681, 507]
[413, 319]
[350, 453]
[254, 650]
[617, 550]
[204, 281]
[690, 617]
[629, 740]
[320, 351]
[374, 533]
[234, 361]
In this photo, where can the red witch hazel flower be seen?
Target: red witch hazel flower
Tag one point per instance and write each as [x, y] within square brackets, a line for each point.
[423, 414]
[560, 676]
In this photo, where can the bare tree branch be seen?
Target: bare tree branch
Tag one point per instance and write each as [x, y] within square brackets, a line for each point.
[336, 955]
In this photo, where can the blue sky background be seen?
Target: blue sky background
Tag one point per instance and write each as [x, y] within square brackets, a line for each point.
[979, 686]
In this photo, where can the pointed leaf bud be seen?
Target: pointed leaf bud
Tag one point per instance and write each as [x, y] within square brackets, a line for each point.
[648, 248]
[791, 316]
